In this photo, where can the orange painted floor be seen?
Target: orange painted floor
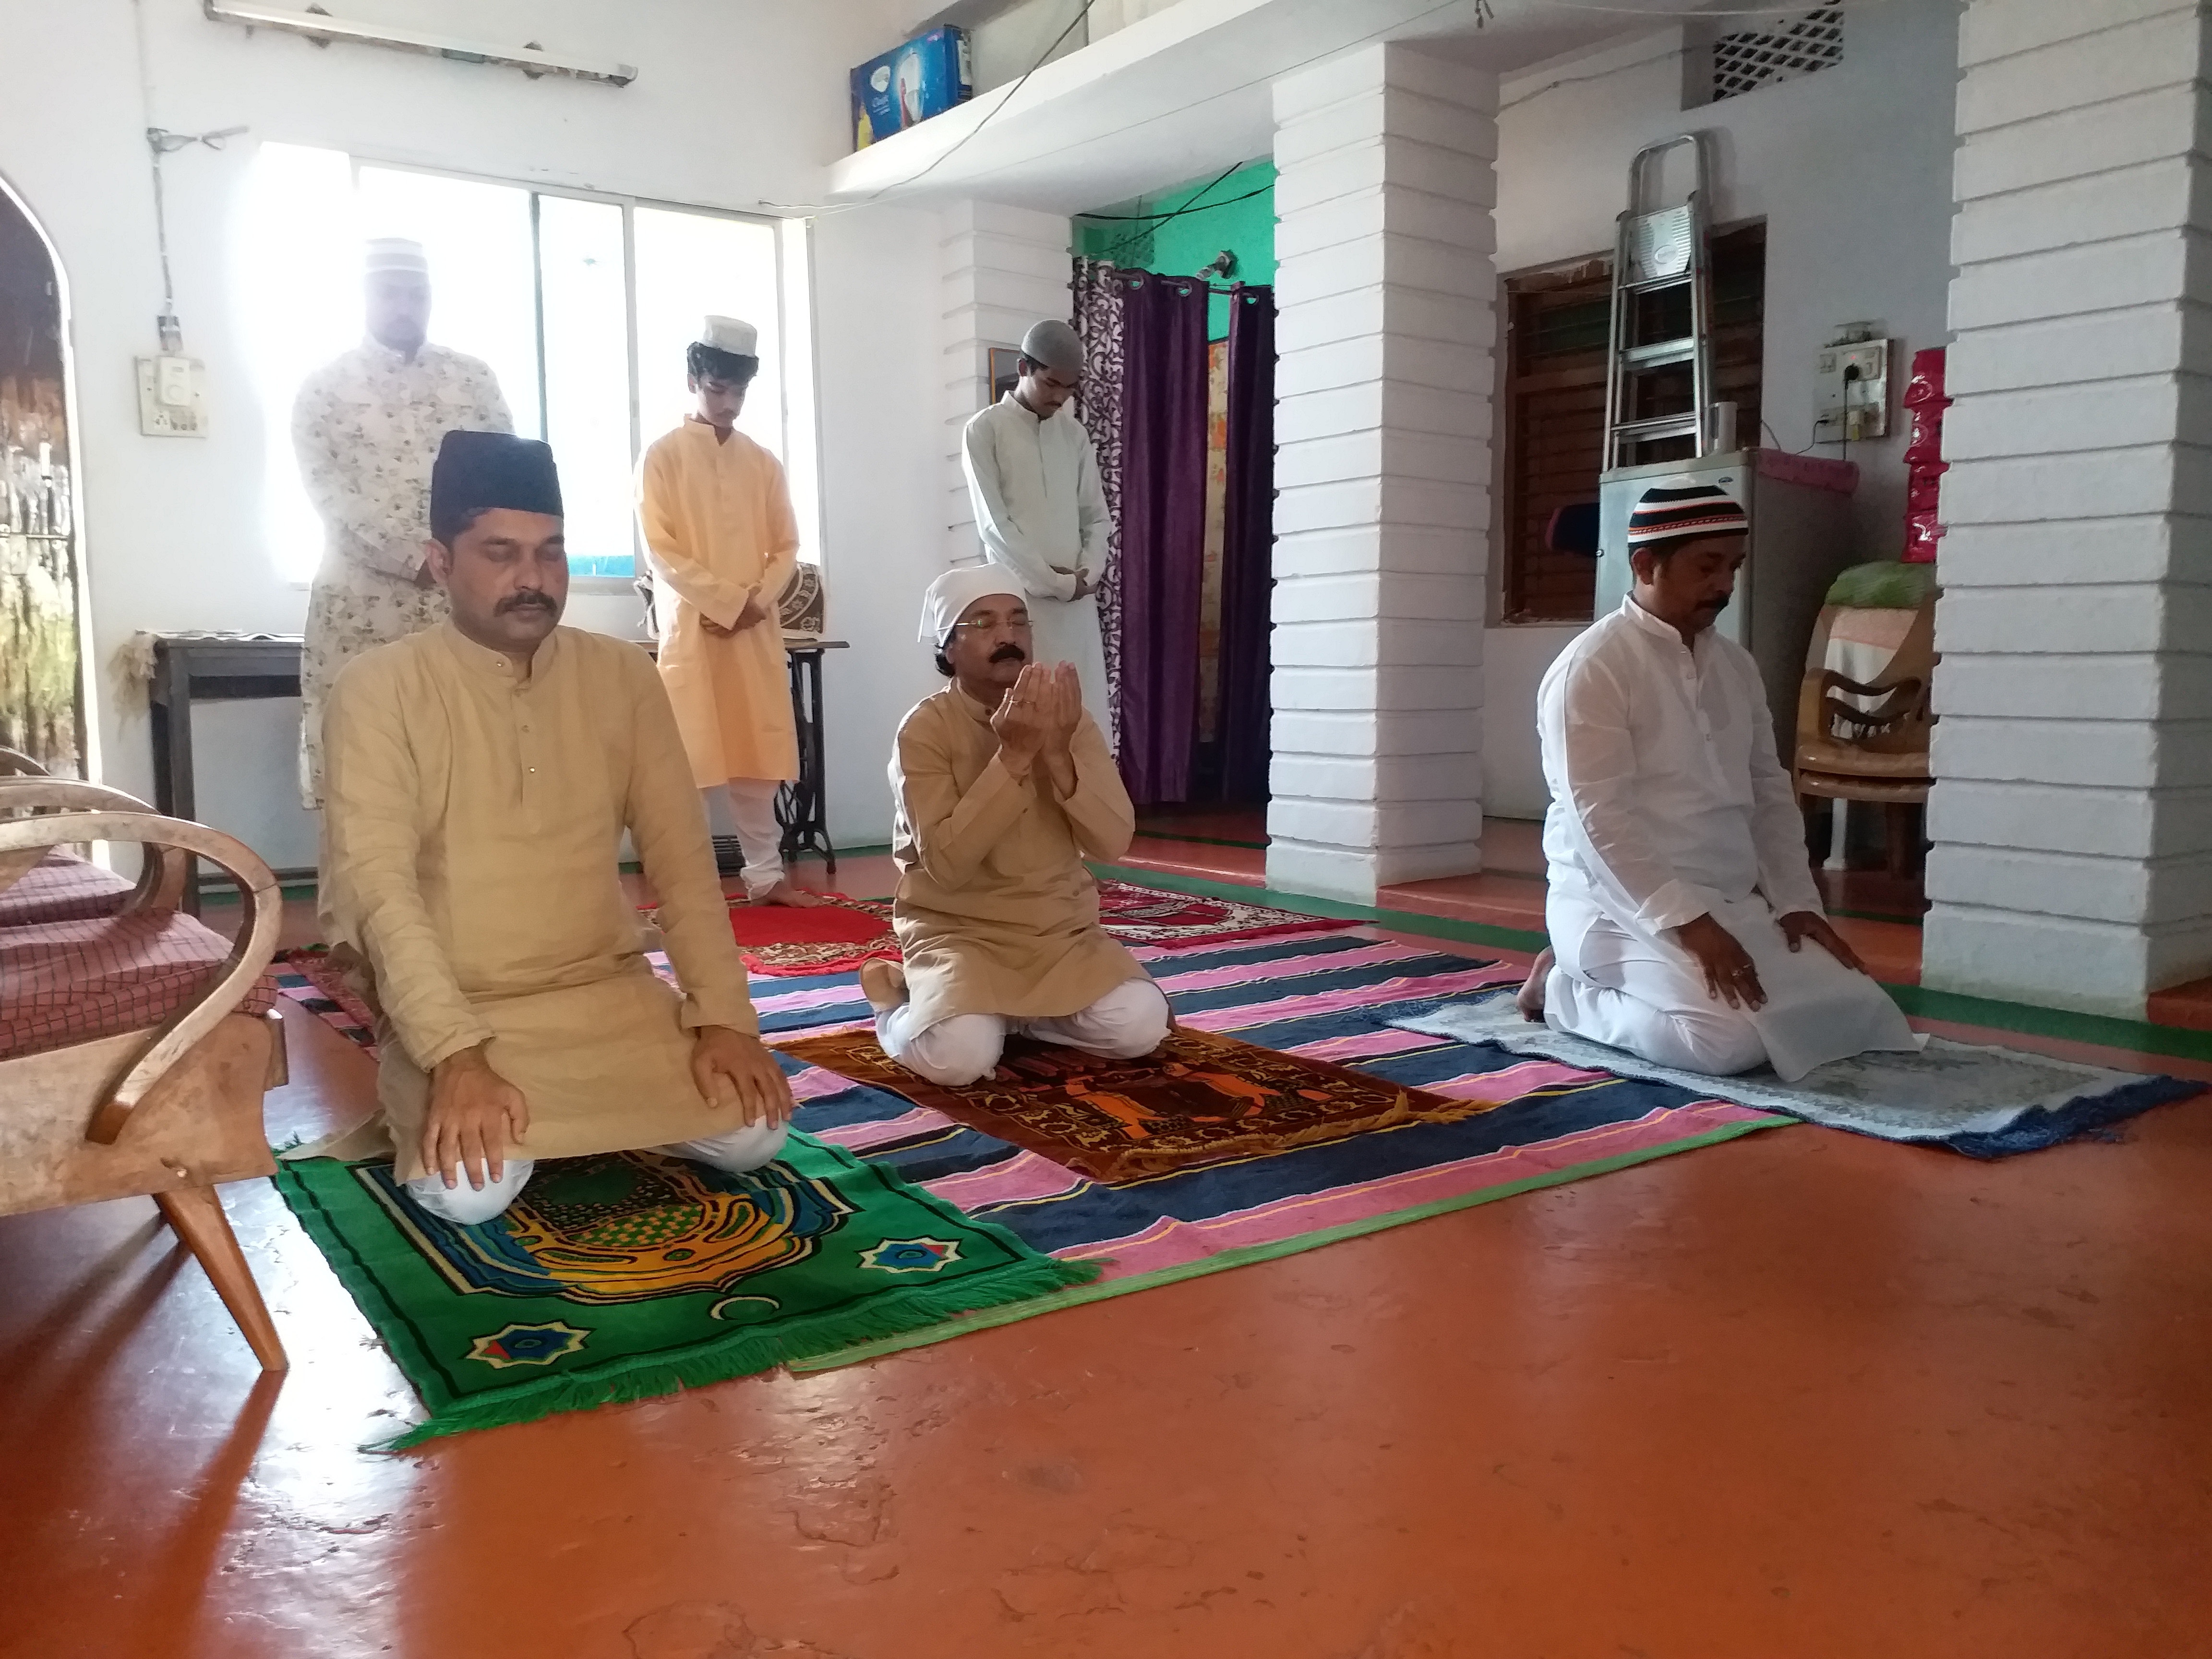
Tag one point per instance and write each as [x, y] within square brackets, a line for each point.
[1798, 1396]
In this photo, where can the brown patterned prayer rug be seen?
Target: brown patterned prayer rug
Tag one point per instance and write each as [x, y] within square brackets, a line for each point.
[1197, 1099]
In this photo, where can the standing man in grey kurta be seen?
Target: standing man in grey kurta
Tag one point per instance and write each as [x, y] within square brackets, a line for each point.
[1040, 510]
[366, 427]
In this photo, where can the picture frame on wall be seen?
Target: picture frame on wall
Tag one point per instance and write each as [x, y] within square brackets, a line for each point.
[1005, 369]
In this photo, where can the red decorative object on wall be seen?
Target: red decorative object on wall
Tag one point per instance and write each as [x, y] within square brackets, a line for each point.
[1923, 456]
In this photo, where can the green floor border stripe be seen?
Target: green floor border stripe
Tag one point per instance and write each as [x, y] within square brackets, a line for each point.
[1406, 921]
[1246, 1254]
[2104, 1030]
[1157, 833]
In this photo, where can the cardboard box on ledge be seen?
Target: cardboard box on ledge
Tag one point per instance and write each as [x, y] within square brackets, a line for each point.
[926, 76]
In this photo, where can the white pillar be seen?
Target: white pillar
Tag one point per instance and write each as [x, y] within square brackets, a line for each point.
[2072, 817]
[1005, 269]
[1387, 291]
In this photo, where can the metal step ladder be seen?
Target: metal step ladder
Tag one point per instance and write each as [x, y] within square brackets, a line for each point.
[1656, 249]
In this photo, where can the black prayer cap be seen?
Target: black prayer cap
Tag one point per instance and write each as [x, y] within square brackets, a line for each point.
[478, 471]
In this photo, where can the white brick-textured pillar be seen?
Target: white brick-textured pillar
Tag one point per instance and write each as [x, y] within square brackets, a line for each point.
[1387, 287]
[2072, 817]
[1005, 269]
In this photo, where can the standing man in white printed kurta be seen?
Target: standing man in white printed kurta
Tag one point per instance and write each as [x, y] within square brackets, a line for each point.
[1681, 897]
[1040, 510]
[366, 428]
[723, 542]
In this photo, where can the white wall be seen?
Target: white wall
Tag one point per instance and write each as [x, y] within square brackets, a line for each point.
[2072, 813]
[1851, 169]
[877, 291]
[739, 104]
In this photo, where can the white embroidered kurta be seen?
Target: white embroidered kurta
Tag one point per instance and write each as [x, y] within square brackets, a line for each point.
[1669, 803]
[1040, 511]
[366, 428]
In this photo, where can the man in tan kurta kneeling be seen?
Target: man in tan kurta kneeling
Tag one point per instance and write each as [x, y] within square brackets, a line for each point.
[1004, 785]
[480, 775]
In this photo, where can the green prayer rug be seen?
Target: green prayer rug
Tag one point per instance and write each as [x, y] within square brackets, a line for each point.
[628, 1274]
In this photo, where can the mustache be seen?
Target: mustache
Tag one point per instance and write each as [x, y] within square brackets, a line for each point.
[528, 597]
[1010, 653]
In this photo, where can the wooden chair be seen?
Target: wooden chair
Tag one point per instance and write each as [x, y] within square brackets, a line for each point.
[55, 884]
[1876, 749]
[170, 1104]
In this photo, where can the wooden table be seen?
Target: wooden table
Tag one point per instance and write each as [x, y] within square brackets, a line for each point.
[218, 667]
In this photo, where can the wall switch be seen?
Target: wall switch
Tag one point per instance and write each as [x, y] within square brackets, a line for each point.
[173, 397]
[1851, 392]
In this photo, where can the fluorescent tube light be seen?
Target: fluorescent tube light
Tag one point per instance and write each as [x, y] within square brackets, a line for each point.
[322, 27]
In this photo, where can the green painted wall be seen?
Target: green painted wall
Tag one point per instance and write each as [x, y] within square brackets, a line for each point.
[1237, 213]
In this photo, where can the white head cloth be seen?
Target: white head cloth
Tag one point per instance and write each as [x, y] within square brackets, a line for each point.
[395, 253]
[739, 339]
[950, 595]
[1055, 344]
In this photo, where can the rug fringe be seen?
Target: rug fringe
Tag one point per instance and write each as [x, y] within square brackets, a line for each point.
[747, 1354]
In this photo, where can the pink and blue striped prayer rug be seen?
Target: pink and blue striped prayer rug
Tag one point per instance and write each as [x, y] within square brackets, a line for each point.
[1328, 999]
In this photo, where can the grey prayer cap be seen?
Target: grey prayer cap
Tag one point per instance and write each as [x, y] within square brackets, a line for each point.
[1055, 345]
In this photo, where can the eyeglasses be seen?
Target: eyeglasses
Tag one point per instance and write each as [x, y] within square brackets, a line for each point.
[1020, 624]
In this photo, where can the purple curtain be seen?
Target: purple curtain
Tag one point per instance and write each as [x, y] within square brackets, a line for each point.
[1162, 530]
[1248, 546]
[1098, 319]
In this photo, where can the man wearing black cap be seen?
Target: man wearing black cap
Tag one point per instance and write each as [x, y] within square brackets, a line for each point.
[480, 776]
[1681, 899]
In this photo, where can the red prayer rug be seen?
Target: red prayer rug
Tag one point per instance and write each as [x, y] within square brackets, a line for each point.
[1198, 1098]
[837, 936]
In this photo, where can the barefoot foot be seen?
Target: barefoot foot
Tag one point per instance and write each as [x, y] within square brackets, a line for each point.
[785, 893]
[1529, 1000]
[883, 984]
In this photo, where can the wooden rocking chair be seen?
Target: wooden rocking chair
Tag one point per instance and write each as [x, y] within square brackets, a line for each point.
[134, 1046]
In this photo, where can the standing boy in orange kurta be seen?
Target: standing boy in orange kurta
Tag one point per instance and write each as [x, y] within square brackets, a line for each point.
[722, 543]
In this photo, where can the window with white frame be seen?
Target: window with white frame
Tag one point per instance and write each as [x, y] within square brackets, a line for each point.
[582, 304]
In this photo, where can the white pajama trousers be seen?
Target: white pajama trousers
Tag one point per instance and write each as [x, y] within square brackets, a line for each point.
[746, 1147]
[1129, 1020]
[1648, 997]
[750, 807]
[1637, 996]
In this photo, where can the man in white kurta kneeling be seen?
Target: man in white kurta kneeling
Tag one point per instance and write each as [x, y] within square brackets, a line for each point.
[1681, 897]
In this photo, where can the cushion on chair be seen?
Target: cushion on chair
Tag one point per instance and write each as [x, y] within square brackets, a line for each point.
[1886, 584]
[64, 982]
[62, 887]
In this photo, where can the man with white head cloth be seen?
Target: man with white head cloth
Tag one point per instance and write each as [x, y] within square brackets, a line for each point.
[1004, 785]
[366, 426]
[1040, 510]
